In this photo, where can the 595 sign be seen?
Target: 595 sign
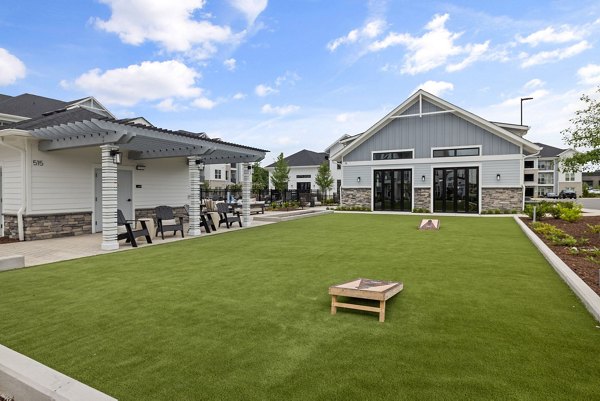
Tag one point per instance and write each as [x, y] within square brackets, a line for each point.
[38, 163]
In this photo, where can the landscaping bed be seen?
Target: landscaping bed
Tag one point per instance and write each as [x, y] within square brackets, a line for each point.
[577, 257]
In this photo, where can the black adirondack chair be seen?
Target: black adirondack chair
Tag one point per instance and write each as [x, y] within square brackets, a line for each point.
[166, 221]
[130, 234]
[205, 220]
[226, 216]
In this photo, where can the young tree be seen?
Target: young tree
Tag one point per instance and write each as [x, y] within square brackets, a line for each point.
[324, 180]
[260, 178]
[585, 135]
[280, 175]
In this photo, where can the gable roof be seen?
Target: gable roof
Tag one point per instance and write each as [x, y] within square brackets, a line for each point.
[304, 158]
[446, 108]
[550, 151]
[28, 105]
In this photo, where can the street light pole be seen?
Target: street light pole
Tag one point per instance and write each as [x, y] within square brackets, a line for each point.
[522, 100]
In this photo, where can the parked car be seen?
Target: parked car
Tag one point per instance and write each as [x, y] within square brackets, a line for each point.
[553, 195]
[594, 191]
[567, 193]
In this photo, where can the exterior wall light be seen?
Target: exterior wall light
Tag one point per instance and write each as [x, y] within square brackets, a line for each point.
[116, 155]
[423, 178]
[140, 167]
[357, 179]
[498, 177]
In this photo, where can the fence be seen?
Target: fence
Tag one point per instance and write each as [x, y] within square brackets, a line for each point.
[270, 195]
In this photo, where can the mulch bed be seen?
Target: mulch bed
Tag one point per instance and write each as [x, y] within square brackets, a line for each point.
[586, 269]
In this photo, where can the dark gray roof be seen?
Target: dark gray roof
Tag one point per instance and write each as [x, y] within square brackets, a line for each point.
[4, 97]
[304, 158]
[549, 151]
[28, 105]
[80, 114]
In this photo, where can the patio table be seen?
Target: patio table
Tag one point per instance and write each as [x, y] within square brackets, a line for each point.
[364, 289]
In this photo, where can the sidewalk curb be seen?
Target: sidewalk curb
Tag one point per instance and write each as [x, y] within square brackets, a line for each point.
[590, 299]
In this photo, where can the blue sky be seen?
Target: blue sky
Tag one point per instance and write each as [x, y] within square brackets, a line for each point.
[292, 74]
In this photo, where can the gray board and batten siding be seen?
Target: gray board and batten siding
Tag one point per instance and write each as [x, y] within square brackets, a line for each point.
[430, 131]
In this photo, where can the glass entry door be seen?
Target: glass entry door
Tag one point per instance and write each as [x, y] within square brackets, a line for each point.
[393, 190]
[456, 190]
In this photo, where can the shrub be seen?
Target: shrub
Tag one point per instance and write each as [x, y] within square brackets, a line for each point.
[554, 234]
[594, 229]
[420, 210]
[543, 208]
[570, 215]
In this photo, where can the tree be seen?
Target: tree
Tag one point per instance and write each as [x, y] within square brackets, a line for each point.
[584, 136]
[324, 180]
[260, 178]
[280, 175]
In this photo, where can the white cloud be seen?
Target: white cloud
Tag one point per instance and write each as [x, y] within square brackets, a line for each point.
[150, 80]
[433, 49]
[279, 110]
[230, 64]
[239, 96]
[11, 68]
[343, 117]
[550, 35]
[168, 105]
[174, 25]
[250, 8]
[264, 90]
[370, 30]
[204, 103]
[590, 74]
[552, 56]
[437, 88]
[534, 83]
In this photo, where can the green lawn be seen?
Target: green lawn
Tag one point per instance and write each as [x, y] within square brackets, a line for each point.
[245, 316]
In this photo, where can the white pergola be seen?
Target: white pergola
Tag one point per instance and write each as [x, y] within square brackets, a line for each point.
[142, 142]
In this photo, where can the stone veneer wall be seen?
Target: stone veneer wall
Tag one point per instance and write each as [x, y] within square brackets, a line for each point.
[49, 226]
[422, 198]
[356, 197]
[501, 198]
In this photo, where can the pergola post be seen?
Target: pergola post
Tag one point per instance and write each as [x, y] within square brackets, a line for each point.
[109, 199]
[194, 175]
[246, 187]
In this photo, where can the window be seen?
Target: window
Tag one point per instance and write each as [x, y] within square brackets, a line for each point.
[528, 177]
[404, 154]
[569, 176]
[339, 166]
[217, 174]
[529, 164]
[546, 165]
[233, 176]
[303, 176]
[226, 175]
[460, 152]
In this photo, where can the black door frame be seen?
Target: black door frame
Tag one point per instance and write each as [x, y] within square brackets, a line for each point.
[454, 207]
[407, 208]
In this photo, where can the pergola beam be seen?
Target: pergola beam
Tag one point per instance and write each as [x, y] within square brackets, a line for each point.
[80, 141]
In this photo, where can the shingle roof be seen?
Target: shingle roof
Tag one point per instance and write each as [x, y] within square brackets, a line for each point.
[4, 97]
[549, 151]
[304, 158]
[28, 105]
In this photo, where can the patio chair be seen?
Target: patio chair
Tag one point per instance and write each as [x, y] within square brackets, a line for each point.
[166, 221]
[206, 220]
[130, 234]
[227, 217]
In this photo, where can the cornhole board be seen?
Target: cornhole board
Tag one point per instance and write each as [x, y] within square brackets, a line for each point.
[429, 224]
[363, 288]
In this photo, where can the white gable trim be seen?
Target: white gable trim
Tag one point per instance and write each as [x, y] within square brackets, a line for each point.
[448, 108]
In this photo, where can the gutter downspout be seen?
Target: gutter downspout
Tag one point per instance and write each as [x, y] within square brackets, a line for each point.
[23, 189]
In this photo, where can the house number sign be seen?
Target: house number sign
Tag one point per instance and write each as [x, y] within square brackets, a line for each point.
[38, 163]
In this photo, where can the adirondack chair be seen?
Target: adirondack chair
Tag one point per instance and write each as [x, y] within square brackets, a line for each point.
[205, 220]
[227, 217]
[166, 221]
[130, 234]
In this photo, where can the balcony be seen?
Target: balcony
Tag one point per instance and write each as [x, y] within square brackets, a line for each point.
[543, 181]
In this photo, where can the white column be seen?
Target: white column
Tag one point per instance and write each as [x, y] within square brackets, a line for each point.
[109, 199]
[246, 187]
[194, 174]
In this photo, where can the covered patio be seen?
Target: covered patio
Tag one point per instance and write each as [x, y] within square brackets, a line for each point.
[137, 140]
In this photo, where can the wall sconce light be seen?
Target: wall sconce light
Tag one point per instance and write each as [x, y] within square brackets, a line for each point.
[498, 177]
[249, 166]
[140, 167]
[116, 155]
[200, 164]
[357, 179]
[423, 178]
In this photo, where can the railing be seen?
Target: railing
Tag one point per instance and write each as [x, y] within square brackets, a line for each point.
[270, 195]
[546, 182]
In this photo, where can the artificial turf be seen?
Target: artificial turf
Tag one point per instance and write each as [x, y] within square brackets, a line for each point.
[246, 316]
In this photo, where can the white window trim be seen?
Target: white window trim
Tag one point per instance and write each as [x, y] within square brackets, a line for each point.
[392, 151]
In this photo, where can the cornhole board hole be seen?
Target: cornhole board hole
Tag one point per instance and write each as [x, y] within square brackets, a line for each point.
[429, 224]
[363, 288]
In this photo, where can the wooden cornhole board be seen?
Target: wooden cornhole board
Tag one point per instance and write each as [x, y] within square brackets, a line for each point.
[429, 224]
[364, 289]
